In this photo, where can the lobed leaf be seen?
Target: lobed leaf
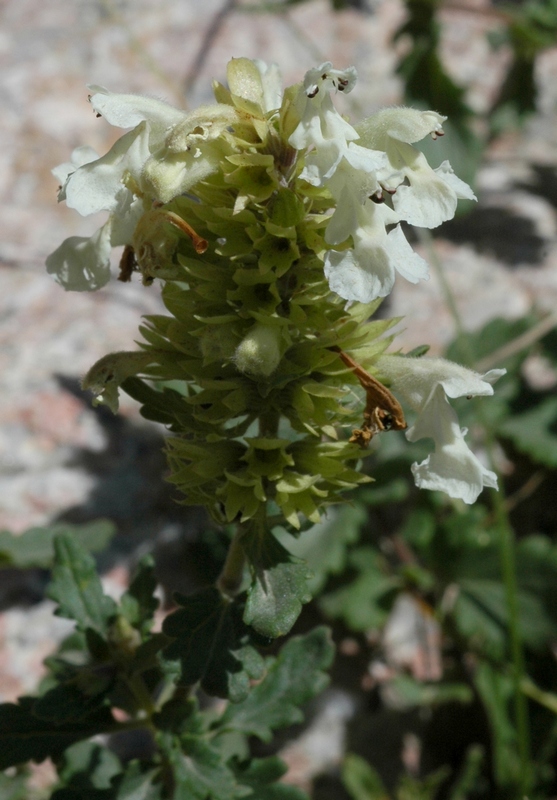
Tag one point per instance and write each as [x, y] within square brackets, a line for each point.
[293, 678]
[76, 587]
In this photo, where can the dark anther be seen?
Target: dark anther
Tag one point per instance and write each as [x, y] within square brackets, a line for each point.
[313, 92]
[387, 421]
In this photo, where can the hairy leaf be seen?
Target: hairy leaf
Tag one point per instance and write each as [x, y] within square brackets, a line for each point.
[212, 644]
[262, 775]
[323, 547]
[198, 770]
[76, 587]
[34, 548]
[292, 679]
[279, 587]
[139, 604]
[138, 785]
[24, 737]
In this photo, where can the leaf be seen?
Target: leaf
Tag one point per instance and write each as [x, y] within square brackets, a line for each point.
[82, 793]
[279, 586]
[14, 787]
[323, 546]
[199, 771]
[160, 406]
[410, 693]
[534, 432]
[292, 679]
[496, 692]
[88, 765]
[212, 644]
[365, 602]
[361, 780]
[34, 548]
[24, 737]
[138, 785]
[139, 604]
[76, 587]
[262, 775]
[69, 703]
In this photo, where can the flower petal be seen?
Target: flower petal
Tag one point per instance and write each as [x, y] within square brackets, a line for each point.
[404, 124]
[82, 264]
[96, 185]
[128, 110]
[359, 277]
[455, 470]
[406, 262]
[452, 468]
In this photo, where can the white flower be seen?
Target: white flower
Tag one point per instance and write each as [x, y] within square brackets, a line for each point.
[430, 196]
[426, 383]
[82, 264]
[383, 160]
[321, 126]
[79, 157]
[159, 159]
[367, 270]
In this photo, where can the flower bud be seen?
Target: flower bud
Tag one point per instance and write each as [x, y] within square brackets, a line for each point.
[259, 352]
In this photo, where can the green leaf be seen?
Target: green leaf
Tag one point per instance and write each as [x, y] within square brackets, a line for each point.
[138, 785]
[87, 765]
[14, 787]
[198, 770]
[410, 693]
[159, 406]
[279, 586]
[323, 546]
[213, 645]
[292, 679]
[496, 692]
[534, 432]
[82, 794]
[139, 604]
[481, 615]
[366, 601]
[24, 737]
[262, 775]
[361, 780]
[68, 702]
[34, 548]
[76, 587]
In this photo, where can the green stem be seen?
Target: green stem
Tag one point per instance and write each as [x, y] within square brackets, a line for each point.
[142, 694]
[231, 577]
[506, 544]
[508, 567]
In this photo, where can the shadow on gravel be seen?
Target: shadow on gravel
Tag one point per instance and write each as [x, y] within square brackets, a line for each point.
[497, 232]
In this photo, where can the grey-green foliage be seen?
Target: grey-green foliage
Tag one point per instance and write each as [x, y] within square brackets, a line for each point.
[115, 660]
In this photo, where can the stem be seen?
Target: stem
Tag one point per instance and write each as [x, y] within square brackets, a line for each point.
[506, 543]
[142, 694]
[232, 575]
[268, 423]
[508, 568]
